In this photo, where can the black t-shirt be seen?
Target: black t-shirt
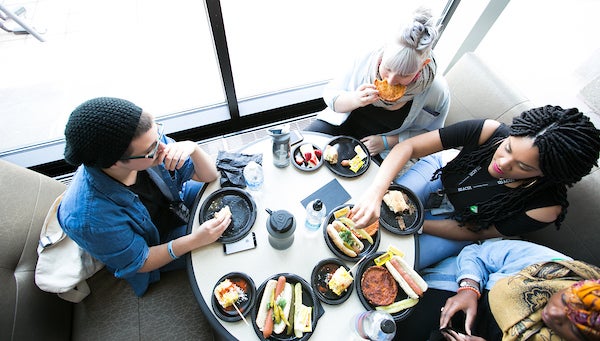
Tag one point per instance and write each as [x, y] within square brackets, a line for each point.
[466, 135]
[156, 203]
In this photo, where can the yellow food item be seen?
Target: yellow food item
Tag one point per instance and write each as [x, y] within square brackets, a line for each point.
[330, 154]
[399, 306]
[226, 293]
[340, 281]
[342, 212]
[360, 152]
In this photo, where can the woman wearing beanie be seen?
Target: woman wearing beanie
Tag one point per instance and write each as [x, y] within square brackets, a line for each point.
[127, 202]
[355, 106]
[506, 180]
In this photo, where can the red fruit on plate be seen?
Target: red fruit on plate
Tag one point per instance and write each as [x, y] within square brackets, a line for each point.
[307, 156]
[318, 153]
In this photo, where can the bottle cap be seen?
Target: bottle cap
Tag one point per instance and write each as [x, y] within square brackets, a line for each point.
[317, 205]
[388, 326]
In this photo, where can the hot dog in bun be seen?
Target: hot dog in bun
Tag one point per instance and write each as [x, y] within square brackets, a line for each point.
[344, 239]
[274, 311]
[410, 281]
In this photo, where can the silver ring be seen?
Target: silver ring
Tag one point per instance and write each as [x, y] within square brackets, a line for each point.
[442, 309]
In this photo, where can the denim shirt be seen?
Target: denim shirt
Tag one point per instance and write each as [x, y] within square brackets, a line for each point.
[110, 222]
[488, 262]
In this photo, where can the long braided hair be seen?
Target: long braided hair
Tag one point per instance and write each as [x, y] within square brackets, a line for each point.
[569, 146]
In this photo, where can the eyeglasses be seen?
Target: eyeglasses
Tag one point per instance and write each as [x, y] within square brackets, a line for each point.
[160, 128]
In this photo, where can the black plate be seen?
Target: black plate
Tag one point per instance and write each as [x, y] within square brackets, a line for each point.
[243, 212]
[308, 299]
[369, 248]
[244, 305]
[320, 279]
[362, 267]
[345, 147]
[412, 221]
[304, 166]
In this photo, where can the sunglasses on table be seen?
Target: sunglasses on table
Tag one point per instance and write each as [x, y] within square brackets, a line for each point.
[152, 153]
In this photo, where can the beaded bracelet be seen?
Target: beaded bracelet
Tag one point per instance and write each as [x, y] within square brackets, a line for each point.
[385, 143]
[473, 289]
[170, 249]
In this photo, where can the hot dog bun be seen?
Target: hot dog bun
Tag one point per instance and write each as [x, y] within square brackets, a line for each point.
[263, 311]
[261, 316]
[410, 281]
[353, 245]
[287, 293]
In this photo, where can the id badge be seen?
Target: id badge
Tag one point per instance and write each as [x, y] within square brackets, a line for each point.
[434, 200]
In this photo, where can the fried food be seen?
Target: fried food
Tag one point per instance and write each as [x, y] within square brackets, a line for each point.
[390, 93]
[379, 286]
[396, 201]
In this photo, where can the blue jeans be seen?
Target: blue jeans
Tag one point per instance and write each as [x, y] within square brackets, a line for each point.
[190, 190]
[432, 249]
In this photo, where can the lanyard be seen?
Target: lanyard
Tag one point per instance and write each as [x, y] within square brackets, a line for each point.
[472, 173]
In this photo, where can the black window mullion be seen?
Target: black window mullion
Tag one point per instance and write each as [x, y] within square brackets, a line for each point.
[215, 17]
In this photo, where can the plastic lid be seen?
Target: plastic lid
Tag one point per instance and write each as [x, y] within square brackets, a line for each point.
[317, 205]
[281, 221]
[388, 326]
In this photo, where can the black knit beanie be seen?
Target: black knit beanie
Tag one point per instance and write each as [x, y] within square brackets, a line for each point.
[100, 130]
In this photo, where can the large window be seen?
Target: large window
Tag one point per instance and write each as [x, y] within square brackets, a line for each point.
[161, 56]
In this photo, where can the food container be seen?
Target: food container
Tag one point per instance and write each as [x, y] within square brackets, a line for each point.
[281, 226]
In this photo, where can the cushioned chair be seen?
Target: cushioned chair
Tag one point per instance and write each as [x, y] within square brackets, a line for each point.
[111, 312]
[27, 312]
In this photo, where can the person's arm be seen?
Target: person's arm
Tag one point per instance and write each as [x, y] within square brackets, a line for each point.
[348, 101]
[367, 210]
[207, 233]
[174, 155]
[450, 229]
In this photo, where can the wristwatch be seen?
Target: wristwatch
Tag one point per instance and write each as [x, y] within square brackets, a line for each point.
[465, 283]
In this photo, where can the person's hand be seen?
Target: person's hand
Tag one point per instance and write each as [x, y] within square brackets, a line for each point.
[367, 210]
[374, 144]
[465, 301]
[366, 94]
[173, 155]
[452, 335]
[212, 229]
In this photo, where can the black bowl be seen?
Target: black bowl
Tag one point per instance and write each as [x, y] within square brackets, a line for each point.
[304, 166]
[243, 212]
[246, 283]
[319, 279]
[412, 221]
[368, 249]
[308, 299]
[345, 146]
[362, 267]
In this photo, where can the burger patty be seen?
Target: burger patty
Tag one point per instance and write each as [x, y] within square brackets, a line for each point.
[379, 286]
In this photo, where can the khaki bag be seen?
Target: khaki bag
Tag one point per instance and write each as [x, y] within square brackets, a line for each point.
[63, 267]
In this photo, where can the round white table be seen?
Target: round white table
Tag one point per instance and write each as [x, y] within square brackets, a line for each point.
[283, 188]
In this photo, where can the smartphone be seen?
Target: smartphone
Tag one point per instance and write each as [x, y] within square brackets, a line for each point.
[295, 137]
[247, 243]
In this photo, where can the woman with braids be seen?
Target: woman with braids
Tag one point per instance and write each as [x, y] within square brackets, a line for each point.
[506, 181]
[355, 107]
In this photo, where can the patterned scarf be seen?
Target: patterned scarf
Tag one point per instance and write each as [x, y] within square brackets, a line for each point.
[583, 307]
[517, 301]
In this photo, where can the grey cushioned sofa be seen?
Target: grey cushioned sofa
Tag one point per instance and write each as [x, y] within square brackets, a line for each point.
[169, 311]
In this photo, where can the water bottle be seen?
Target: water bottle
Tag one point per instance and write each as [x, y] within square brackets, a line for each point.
[374, 325]
[253, 174]
[315, 214]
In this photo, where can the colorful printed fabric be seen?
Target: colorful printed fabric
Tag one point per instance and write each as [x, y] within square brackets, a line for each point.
[583, 307]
